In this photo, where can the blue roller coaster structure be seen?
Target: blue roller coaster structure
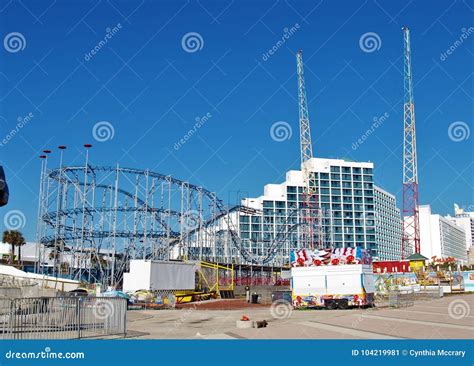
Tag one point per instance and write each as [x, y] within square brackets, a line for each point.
[93, 219]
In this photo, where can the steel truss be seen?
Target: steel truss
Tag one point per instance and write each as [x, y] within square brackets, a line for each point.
[93, 219]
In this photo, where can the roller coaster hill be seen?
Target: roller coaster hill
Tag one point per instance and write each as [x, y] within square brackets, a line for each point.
[92, 220]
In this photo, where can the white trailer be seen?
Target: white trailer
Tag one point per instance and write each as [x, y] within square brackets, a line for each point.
[333, 286]
[159, 275]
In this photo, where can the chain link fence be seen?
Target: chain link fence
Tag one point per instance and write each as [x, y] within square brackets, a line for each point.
[62, 317]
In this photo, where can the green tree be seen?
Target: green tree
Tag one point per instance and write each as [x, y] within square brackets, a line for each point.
[15, 239]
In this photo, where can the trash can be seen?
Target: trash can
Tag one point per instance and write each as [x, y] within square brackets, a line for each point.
[255, 298]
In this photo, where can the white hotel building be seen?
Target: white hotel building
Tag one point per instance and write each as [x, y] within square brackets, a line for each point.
[355, 211]
[465, 219]
[441, 237]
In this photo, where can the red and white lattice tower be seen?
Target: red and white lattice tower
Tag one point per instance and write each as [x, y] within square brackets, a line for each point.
[310, 214]
[410, 216]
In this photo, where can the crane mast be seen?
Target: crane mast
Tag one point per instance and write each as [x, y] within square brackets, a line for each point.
[310, 214]
[411, 225]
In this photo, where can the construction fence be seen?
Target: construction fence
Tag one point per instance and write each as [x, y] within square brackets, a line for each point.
[62, 317]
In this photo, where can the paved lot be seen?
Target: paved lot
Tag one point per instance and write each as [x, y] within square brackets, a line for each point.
[450, 317]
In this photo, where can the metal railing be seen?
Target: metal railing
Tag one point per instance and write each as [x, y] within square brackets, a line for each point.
[62, 317]
[397, 299]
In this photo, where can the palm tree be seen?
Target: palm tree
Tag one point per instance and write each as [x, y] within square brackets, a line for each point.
[7, 238]
[15, 239]
[21, 242]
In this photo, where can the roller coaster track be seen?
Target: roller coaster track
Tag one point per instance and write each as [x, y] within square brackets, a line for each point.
[71, 176]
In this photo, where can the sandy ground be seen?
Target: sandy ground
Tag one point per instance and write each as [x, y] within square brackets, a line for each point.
[449, 317]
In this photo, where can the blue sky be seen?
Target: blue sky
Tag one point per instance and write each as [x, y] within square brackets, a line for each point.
[150, 89]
